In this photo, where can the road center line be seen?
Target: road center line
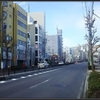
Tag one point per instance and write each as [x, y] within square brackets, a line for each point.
[40, 83]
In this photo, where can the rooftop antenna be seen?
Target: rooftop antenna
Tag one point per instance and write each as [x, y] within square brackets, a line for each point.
[57, 27]
[28, 8]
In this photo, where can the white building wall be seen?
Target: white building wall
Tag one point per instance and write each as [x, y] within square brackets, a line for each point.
[52, 43]
[40, 18]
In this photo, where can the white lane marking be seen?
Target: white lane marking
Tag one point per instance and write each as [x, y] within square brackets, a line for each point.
[29, 75]
[39, 83]
[35, 74]
[32, 75]
[13, 79]
[2, 82]
[22, 77]
[46, 72]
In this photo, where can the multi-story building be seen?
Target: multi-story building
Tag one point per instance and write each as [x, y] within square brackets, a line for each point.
[20, 35]
[39, 56]
[52, 42]
[48, 53]
[60, 44]
[6, 28]
[31, 41]
[40, 18]
[55, 44]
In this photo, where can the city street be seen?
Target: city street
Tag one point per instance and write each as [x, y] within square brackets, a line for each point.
[61, 82]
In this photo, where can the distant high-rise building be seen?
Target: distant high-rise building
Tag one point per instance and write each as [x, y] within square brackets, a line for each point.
[60, 44]
[55, 44]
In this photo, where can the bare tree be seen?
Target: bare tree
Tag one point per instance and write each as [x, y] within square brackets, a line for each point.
[92, 39]
[7, 42]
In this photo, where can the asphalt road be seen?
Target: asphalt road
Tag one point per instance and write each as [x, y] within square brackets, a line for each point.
[61, 82]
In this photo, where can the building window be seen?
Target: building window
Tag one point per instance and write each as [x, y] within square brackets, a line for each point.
[21, 24]
[36, 38]
[10, 5]
[18, 41]
[36, 53]
[22, 16]
[21, 33]
[35, 22]
[36, 30]
[9, 26]
[10, 16]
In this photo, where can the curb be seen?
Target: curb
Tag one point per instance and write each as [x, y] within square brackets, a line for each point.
[86, 85]
[21, 73]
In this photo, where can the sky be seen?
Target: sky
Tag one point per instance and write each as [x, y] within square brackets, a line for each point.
[68, 16]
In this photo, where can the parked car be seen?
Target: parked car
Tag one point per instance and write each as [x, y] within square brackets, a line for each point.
[61, 62]
[43, 64]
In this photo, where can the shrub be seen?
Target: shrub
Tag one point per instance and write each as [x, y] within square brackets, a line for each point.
[94, 85]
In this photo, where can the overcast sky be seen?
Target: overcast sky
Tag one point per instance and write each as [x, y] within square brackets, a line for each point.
[68, 16]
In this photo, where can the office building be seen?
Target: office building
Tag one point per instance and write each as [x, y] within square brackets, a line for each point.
[6, 29]
[20, 35]
[60, 44]
[39, 17]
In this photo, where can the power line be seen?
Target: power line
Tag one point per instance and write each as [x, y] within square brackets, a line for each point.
[83, 14]
[28, 8]
[96, 15]
[86, 8]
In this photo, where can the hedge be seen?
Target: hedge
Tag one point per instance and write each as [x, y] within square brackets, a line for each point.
[94, 85]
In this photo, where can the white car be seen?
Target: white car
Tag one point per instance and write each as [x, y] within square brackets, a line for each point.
[61, 63]
[43, 64]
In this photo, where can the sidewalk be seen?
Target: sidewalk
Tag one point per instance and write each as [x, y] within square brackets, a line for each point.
[6, 73]
[20, 72]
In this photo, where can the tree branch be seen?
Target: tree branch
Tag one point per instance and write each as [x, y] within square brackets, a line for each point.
[93, 33]
[87, 37]
[95, 40]
[96, 48]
